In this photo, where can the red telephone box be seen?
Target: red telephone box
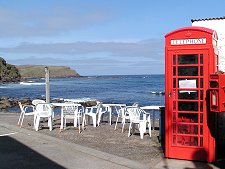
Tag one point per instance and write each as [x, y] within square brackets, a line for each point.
[190, 58]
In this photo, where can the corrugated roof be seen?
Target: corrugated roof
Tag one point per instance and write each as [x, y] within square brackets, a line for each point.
[206, 19]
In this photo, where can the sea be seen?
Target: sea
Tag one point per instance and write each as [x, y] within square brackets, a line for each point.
[127, 89]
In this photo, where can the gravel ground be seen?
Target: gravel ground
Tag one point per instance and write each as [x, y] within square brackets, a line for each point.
[103, 138]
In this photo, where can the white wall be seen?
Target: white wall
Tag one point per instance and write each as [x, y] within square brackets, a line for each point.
[219, 26]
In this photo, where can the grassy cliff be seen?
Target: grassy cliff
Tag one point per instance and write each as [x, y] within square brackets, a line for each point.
[38, 71]
[8, 72]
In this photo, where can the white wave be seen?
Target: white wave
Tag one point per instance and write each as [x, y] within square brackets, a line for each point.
[157, 92]
[4, 87]
[31, 83]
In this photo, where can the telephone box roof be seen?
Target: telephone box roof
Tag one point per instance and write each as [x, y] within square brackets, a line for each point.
[207, 19]
[191, 28]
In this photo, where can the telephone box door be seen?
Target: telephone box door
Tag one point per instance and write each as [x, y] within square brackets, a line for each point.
[186, 100]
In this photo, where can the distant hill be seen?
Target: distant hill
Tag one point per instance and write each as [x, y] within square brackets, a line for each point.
[8, 72]
[38, 71]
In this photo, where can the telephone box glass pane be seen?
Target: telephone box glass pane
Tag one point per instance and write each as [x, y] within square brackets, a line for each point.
[201, 130]
[187, 106]
[174, 83]
[174, 140]
[174, 59]
[201, 94]
[188, 71]
[174, 117]
[201, 71]
[201, 118]
[201, 83]
[201, 58]
[187, 140]
[188, 59]
[174, 71]
[174, 128]
[201, 106]
[187, 129]
[174, 105]
[201, 142]
[188, 95]
[187, 118]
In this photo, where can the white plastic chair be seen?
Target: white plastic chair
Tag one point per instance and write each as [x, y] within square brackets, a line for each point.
[24, 112]
[102, 111]
[92, 112]
[37, 101]
[43, 110]
[140, 117]
[123, 114]
[71, 111]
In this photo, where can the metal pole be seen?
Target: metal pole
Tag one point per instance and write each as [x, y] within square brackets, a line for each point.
[47, 87]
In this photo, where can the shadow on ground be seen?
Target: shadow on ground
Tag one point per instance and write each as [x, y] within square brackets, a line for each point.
[13, 154]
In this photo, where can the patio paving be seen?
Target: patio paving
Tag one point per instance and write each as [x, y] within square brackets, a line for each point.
[146, 153]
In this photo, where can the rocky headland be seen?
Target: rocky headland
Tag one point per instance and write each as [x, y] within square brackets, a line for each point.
[15, 74]
[8, 72]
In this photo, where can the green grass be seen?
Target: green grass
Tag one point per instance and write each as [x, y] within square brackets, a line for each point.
[33, 71]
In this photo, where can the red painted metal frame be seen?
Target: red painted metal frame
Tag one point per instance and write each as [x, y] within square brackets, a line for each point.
[217, 90]
[189, 134]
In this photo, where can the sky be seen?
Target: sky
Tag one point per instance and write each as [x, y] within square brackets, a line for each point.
[96, 37]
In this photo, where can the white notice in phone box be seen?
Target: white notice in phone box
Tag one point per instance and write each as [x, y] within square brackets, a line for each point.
[187, 83]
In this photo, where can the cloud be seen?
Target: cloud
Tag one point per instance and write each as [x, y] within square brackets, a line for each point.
[94, 58]
[63, 23]
[96, 66]
[65, 61]
[151, 48]
[17, 22]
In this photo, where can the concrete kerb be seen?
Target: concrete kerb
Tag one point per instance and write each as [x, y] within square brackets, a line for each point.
[72, 146]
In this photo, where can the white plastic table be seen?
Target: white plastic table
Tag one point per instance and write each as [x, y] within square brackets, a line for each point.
[62, 105]
[110, 107]
[153, 109]
[79, 100]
